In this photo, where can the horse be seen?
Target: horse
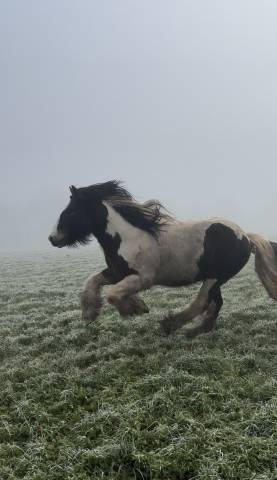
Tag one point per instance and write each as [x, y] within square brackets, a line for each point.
[144, 245]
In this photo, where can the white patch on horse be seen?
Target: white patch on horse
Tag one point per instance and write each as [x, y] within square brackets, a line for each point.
[181, 246]
[137, 247]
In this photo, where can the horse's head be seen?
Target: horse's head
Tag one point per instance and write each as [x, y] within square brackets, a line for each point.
[74, 224]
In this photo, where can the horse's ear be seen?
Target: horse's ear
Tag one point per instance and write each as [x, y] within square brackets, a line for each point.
[73, 190]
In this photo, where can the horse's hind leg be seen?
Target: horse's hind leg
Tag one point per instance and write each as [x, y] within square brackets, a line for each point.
[209, 316]
[173, 321]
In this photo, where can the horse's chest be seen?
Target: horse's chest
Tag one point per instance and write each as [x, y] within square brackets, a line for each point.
[134, 254]
[118, 266]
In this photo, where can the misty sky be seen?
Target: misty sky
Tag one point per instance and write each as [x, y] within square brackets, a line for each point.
[176, 98]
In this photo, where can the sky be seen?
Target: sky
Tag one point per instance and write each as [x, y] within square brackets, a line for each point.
[176, 98]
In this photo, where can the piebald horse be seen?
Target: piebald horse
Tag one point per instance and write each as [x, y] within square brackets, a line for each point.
[144, 246]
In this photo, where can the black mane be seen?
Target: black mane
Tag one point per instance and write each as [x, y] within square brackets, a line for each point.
[150, 216]
[105, 191]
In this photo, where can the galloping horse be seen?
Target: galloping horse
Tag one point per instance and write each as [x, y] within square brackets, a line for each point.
[143, 246]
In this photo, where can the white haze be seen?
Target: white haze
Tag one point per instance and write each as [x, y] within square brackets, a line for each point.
[176, 98]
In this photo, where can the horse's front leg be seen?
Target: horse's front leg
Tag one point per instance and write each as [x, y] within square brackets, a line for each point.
[132, 305]
[91, 301]
[122, 295]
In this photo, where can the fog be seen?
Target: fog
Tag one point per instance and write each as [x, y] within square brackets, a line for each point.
[176, 98]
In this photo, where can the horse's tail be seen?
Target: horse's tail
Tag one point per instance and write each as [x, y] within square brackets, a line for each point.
[265, 262]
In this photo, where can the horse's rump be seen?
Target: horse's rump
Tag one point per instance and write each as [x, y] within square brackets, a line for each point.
[265, 262]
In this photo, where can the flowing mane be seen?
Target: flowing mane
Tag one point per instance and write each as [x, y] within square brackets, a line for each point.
[150, 216]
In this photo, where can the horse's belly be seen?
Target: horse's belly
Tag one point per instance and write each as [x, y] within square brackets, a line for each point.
[176, 272]
[180, 251]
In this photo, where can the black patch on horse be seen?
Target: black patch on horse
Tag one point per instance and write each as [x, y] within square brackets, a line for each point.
[215, 295]
[81, 219]
[118, 267]
[224, 253]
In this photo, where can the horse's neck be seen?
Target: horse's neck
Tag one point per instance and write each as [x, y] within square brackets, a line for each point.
[117, 225]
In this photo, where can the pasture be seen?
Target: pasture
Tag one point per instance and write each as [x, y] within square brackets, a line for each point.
[116, 399]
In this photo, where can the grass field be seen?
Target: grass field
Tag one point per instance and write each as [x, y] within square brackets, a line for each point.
[117, 400]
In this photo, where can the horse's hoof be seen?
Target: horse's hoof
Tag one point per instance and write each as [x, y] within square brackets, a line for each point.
[140, 307]
[132, 306]
[89, 315]
[166, 325]
[192, 333]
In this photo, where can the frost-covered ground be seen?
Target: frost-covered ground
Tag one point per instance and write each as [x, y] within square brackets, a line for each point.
[116, 400]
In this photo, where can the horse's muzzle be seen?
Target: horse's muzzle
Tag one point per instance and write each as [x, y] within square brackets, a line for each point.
[52, 240]
[55, 242]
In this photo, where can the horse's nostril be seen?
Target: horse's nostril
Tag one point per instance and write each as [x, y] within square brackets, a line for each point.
[50, 238]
